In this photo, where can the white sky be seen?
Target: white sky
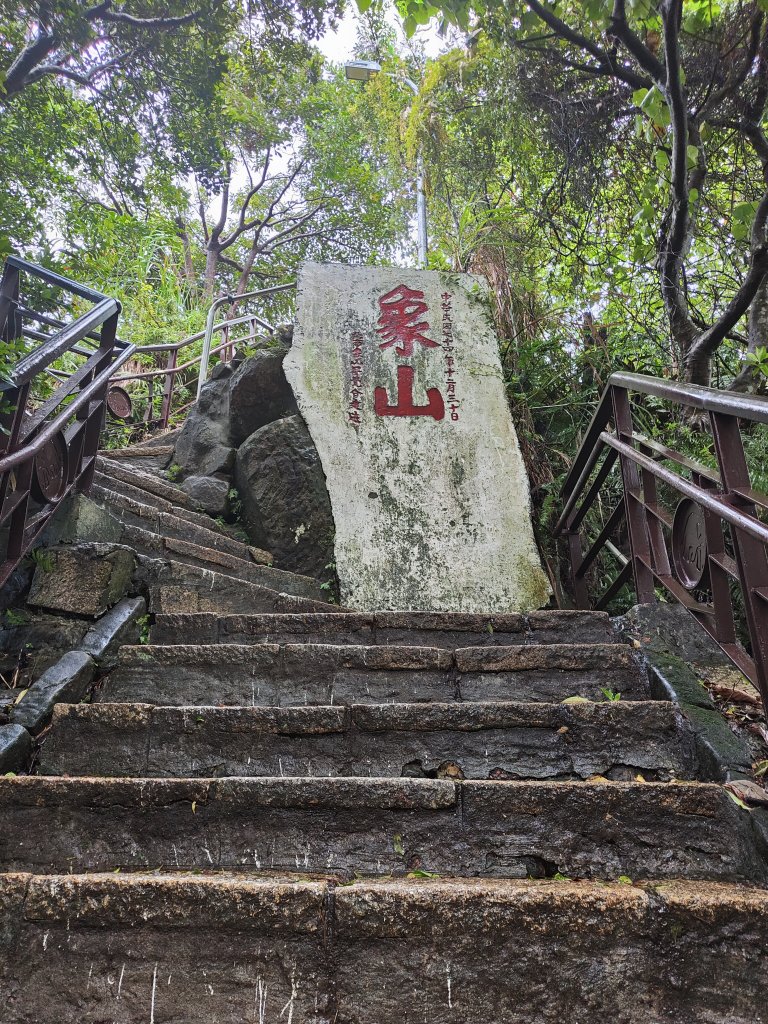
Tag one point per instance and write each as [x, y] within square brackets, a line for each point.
[338, 45]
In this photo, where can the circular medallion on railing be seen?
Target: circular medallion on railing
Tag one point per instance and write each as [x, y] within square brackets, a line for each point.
[49, 480]
[119, 403]
[689, 543]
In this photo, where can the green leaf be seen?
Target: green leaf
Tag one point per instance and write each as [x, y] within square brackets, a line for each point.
[692, 154]
[744, 212]
[739, 230]
[737, 800]
[363, 5]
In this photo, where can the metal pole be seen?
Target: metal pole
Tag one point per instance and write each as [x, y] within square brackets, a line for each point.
[421, 201]
[212, 314]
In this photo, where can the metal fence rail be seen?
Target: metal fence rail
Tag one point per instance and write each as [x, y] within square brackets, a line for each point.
[48, 442]
[694, 531]
[169, 375]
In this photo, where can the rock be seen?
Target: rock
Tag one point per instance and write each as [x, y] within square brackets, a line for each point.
[120, 625]
[285, 505]
[284, 334]
[204, 446]
[70, 580]
[15, 748]
[68, 680]
[425, 474]
[210, 493]
[258, 394]
[221, 371]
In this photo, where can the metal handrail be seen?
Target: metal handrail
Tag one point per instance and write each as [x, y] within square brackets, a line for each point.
[231, 299]
[48, 449]
[43, 436]
[172, 369]
[664, 549]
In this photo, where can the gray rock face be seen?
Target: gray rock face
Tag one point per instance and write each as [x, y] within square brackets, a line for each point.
[204, 446]
[258, 394]
[209, 493]
[285, 501]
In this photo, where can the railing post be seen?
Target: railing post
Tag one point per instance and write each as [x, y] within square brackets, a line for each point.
[170, 377]
[9, 299]
[637, 525]
[96, 413]
[750, 553]
[576, 556]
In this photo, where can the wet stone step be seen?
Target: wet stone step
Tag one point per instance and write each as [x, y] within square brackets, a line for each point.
[162, 515]
[227, 594]
[448, 629]
[294, 674]
[183, 587]
[115, 472]
[354, 826]
[181, 524]
[460, 740]
[215, 946]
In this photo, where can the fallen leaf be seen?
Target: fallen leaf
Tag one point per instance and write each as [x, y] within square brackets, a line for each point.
[734, 694]
[747, 791]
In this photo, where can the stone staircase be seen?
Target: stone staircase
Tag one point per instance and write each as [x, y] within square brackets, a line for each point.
[302, 814]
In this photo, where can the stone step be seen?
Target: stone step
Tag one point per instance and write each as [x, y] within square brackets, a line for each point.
[189, 508]
[228, 593]
[201, 555]
[222, 947]
[189, 587]
[118, 473]
[443, 629]
[370, 826]
[618, 740]
[178, 523]
[157, 439]
[293, 674]
[130, 492]
[154, 459]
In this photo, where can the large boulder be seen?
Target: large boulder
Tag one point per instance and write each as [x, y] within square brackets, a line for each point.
[204, 446]
[285, 504]
[258, 394]
[210, 493]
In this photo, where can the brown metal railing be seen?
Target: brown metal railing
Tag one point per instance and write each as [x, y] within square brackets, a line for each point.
[48, 443]
[252, 325]
[694, 531]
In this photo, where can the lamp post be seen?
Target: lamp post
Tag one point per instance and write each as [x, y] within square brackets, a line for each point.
[364, 71]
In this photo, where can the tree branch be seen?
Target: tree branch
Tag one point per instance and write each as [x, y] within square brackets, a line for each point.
[633, 44]
[162, 23]
[605, 59]
[702, 350]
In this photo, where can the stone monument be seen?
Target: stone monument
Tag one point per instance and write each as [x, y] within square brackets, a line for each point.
[398, 377]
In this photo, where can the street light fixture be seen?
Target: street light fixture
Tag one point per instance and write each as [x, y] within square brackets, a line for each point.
[364, 71]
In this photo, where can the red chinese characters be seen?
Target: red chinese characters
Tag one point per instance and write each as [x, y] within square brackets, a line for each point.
[450, 359]
[399, 322]
[404, 406]
[356, 382]
[401, 326]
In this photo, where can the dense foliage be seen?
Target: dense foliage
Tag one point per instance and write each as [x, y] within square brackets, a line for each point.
[603, 164]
